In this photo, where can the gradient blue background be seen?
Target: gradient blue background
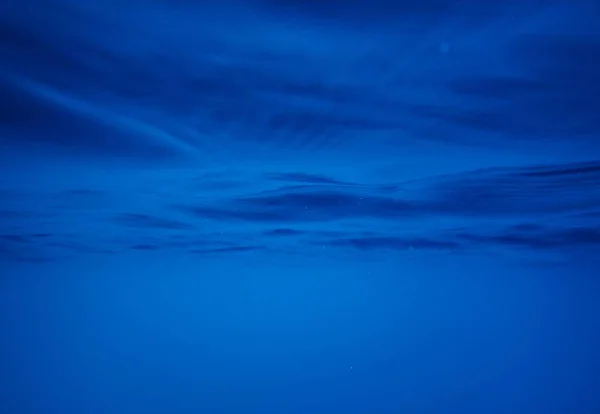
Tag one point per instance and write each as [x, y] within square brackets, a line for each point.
[285, 206]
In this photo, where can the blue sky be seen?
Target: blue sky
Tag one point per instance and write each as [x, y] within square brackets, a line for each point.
[350, 148]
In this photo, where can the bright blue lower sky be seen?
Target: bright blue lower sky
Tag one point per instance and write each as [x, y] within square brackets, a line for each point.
[299, 207]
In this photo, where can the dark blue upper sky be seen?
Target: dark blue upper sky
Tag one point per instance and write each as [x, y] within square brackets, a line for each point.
[336, 134]
[436, 124]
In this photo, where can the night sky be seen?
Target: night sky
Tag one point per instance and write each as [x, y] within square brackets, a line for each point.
[299, 206]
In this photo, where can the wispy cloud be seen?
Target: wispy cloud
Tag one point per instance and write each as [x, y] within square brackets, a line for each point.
[299, 79]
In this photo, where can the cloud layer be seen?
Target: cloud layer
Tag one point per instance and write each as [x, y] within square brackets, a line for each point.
[543, 210]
